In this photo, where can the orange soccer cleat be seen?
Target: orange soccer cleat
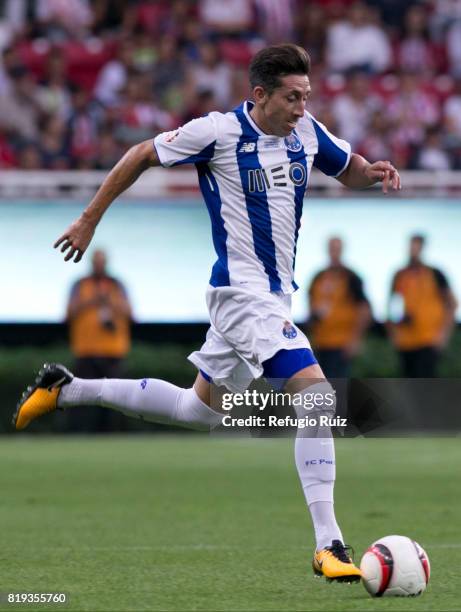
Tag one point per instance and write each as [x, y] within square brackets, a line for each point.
[42, 397]
[334, 563]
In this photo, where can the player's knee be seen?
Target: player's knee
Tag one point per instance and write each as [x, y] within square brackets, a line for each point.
[192, 412]
[318, 400]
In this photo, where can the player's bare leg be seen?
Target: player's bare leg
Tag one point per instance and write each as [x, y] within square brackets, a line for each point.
[315, 461]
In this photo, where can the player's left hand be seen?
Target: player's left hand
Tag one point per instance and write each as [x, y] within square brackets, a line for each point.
[384, 171]
[76, 239]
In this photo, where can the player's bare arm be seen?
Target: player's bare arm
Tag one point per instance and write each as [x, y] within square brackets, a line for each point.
[78, 235]
[360, 174]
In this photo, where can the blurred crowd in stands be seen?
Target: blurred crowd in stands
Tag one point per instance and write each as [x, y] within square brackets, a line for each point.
[82, 80]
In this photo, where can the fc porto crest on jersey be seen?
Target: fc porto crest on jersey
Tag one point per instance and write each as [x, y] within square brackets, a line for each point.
[293, 143]
[289, 330]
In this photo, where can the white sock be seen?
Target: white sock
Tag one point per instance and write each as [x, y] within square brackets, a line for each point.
[149, 399]
[315, 462]
[325, 525]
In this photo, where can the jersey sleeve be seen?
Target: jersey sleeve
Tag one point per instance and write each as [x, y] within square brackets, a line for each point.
[333, 154]
[192, 143]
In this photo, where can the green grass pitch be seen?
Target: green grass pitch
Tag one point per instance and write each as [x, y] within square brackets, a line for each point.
[196, 523]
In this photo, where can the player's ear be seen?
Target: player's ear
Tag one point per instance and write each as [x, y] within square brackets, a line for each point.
[260, 95]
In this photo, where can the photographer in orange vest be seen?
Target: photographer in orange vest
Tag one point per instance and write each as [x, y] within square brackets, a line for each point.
[340, 314]
[422, 314]
[99, 318]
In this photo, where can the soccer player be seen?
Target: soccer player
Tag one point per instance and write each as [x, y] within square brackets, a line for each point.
[253, 166]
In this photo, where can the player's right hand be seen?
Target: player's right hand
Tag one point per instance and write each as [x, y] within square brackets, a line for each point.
[76, 239]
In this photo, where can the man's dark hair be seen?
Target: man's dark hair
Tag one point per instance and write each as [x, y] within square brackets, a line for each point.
[272, 63]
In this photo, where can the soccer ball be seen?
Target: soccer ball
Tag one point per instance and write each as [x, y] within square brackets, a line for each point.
[395, 566]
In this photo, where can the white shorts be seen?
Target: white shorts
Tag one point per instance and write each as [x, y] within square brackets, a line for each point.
[246, 329]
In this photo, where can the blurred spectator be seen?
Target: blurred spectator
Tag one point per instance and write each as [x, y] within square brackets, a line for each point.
[139, 118]
[60, 20]
[169, 75]
[190, 39]
[312, 31]
[113, 16]
[83, 128]
[180, 12]
[99, 318]
[354, 108]
[230, 18]
[240, 88]
[444, 12]
[411, 110]
[432, 155]
[12, 19]
[144, 52]
[113, 77]
[454, 48]
[203, 103]
[10, 63]
[153, 17]
[339, 314]
[53, 144]
[275, 20]
[212, 74]
[185, 48]
[421, 314]
[452, 110]
[391, 11]
[356, 42]
[375, 145]
[452, 124]
[109, 151]
[29, 157]
[53, 91]
[7, 154]
[415, 51]
[19, 110]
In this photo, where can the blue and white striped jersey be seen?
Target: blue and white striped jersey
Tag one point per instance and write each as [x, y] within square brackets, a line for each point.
[253, 184]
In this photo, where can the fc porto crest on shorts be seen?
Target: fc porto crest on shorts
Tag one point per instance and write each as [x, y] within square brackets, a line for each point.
[293, 143]
[289, 330]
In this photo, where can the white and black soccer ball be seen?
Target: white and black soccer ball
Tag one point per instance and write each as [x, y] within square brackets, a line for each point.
[395, 566]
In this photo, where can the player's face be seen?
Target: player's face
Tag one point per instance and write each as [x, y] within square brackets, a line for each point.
[280, 111]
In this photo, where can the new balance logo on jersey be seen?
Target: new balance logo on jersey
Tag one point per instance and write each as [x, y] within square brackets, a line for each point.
[248, 147]
[261, 179]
